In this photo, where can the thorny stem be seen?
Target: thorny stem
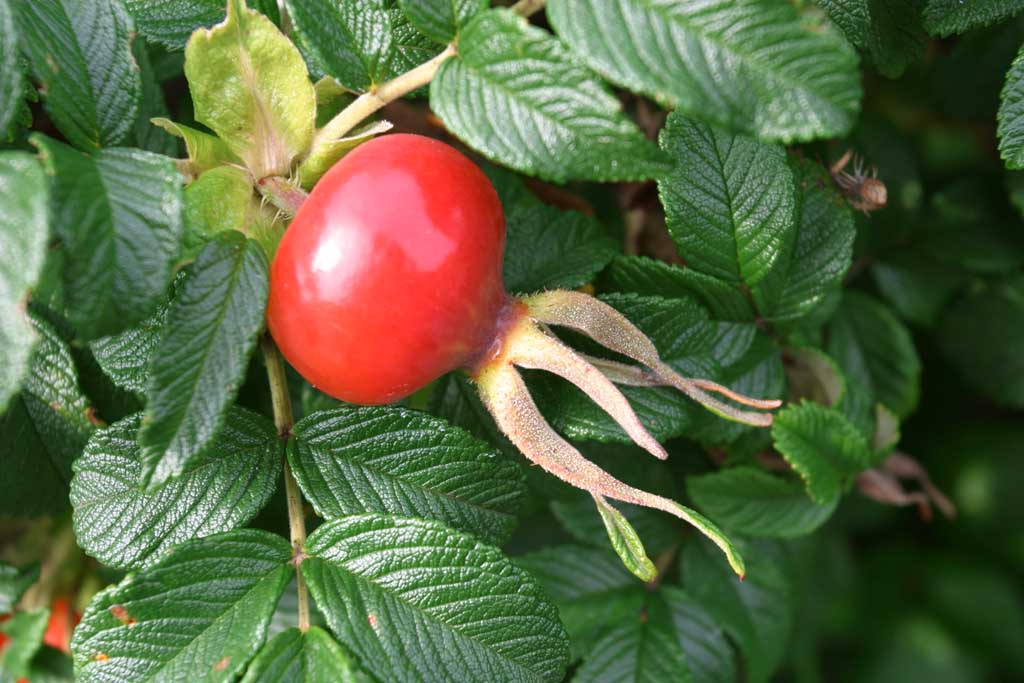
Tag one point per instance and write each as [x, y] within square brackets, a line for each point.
[284, 419]
[282, 193]
[378, 96]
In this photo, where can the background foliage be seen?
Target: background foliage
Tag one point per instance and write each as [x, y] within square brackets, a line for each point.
[675, 157]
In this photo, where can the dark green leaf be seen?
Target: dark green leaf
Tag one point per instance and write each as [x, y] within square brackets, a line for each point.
[945, 17]
[12, 76]
[398, 461]
[60, 412]
[125, 357]
[351, 41]
[201, 360]
[1011, 115]
[822, 446]
[119, 523]
[888, 33]
[545, 115]
[591, 588]
[728, 200]
[815, 255]
[200, 613]
[875, 351]
[442, 606]
[709, 654]
[171, 22]
[25, 630]
[23, 231]
[552, 249]
[982, 335]
[753, 502]
[916, 286]
[118, 216]
[80, 52]
[440, 20]
[641, 650]
[642, 275]
[296, 657]
[40, 489]
[146, 134]
[13, 584]
[749, 65]
[757, 612]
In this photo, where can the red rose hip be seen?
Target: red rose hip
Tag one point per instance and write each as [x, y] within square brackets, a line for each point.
[390, 273]
[390, 276]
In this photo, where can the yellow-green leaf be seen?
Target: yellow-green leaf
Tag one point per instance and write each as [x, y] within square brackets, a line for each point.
[250, 86]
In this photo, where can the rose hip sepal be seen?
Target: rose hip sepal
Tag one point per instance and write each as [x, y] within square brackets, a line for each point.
[390, 276]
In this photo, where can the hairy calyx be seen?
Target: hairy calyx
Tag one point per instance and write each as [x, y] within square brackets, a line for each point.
[525, 342]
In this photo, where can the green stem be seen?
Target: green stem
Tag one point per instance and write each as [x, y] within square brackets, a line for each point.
[284, 419]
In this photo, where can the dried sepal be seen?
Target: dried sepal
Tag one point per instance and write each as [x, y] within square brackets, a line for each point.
[614, 331]
[530, 347]
[506, 397]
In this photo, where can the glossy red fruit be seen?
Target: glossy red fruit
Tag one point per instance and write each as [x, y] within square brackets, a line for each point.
[390, 273]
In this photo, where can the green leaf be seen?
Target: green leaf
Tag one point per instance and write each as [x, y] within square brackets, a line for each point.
[815, 255]
[250, 86]
[411, 48]
[1011, 115]
[981, 335]
[590, 586]
[118, 216]
[748, 65]
[125, 526]
[626, 542]
[728, 200]
[201, 360]
[392, 460]
[709, 654]
[204, 151]
[753, 502]
[946, 17]
[812, 375]
[13, 584]
[641, 650]
[202, 611]
[23, 231]
[915, 285]
[822, 446]
[26, 631]
[80, 52]
[889, 34]
[875, 351]
[152, 105]
[40, 489]
[440, 20]
[60, 412]
[296, 657]
[474, 615]
[351, 41]
[125, 357]
[171, 22]
[757, 613]
[222, 199]
[648, 277]
[12, 75]
[552, 249]
[546, 116]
